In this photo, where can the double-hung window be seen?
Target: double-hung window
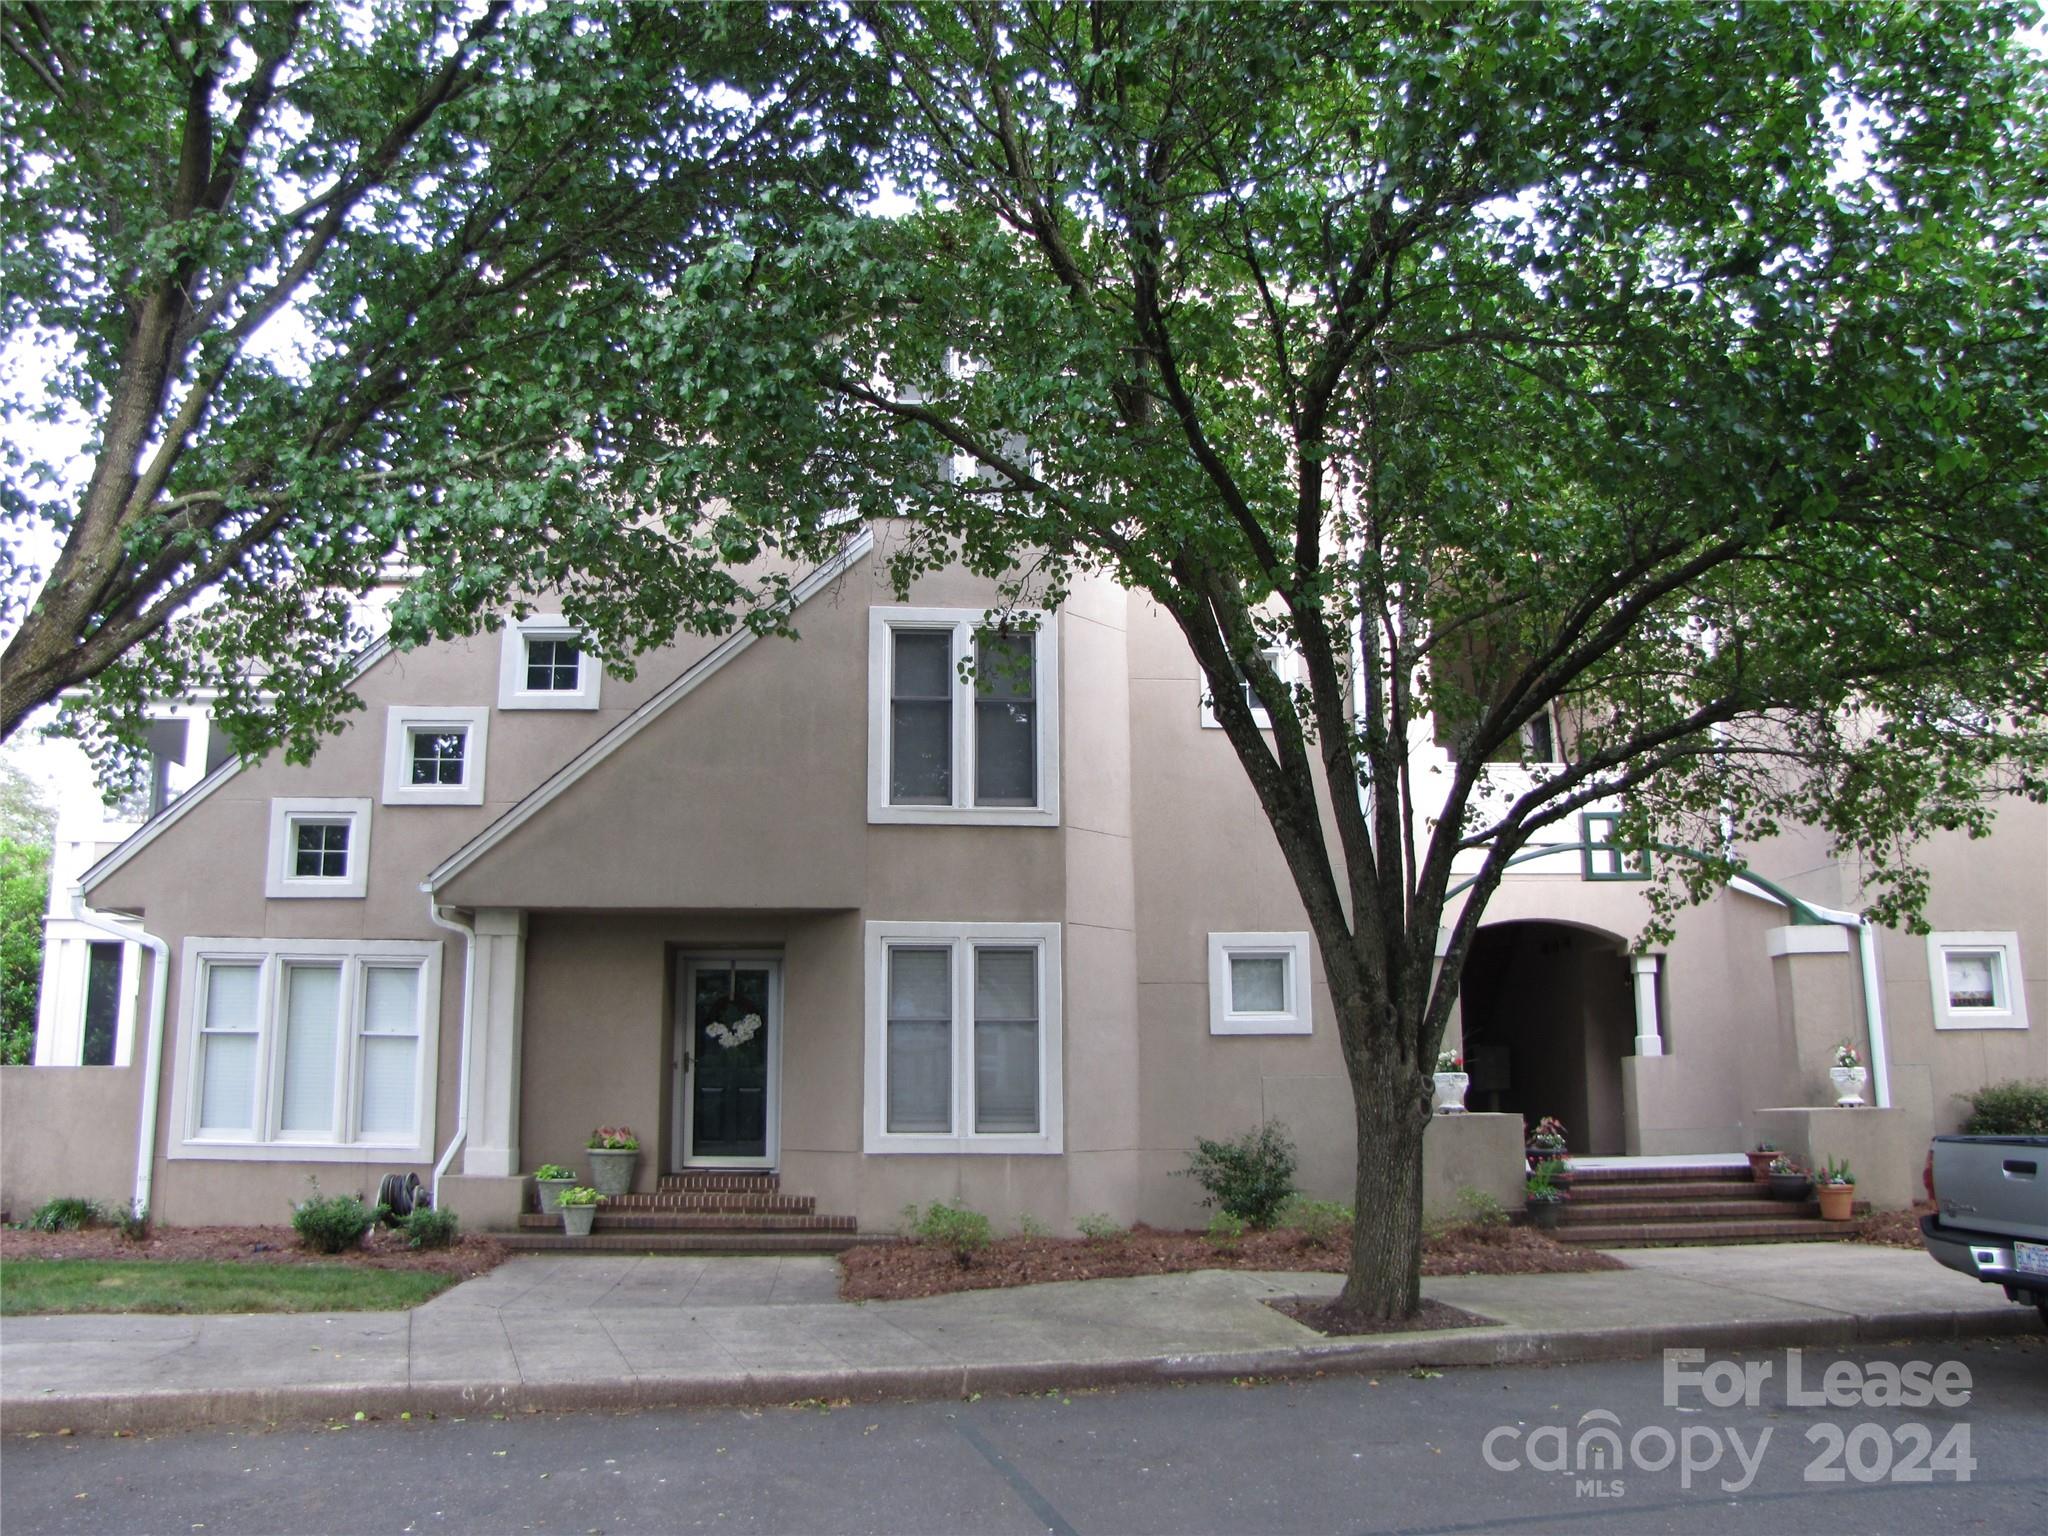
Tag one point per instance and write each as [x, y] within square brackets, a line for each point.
[963, 722]
[963, 1037]
[434, 756]
[308, 1048]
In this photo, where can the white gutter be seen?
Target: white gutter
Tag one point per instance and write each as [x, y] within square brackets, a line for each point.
[153, 1039]
[1873, 999]
[468, 932]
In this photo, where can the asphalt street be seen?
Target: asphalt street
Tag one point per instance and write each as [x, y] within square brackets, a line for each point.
[1943, 1437]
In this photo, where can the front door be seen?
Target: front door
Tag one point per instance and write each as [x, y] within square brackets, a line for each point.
[728, 1038]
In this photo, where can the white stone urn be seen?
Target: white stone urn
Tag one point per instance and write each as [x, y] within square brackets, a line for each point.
[1450, 1092]
[1849, 1086]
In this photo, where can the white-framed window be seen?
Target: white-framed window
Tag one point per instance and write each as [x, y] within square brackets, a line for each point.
[1977, 980]
[963, 720]
[1259, 984]
[434, 756]
[318, 847]
[1282, 663]
[542, 664]
[313, 1049]
[963, 1038]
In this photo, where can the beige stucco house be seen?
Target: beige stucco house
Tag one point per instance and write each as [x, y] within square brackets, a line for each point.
[823, 908]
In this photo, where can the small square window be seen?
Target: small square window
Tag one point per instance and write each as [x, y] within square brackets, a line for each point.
[319, 850]
[1258, 984]
[437, 756]
[1601, 859]
[434, 755]
[543, 664]
[1975, 979]
[553, 666]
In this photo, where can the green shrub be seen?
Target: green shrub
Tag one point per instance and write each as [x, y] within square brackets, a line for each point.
[65, 1213]
[1029, 1225]
[333, 1223]
[134, 1224]
[1250, 1177]
[1476, 1208]
[1225, 1232]
[553, 1171]
[1320, 1222]
[426, 1227]
[2017, 1108]
[960, 1229]
[1098, 1227]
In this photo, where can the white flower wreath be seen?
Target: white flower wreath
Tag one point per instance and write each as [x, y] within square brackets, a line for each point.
[737, 1033]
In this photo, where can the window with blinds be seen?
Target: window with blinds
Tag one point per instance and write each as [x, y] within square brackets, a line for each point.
[306, 1044]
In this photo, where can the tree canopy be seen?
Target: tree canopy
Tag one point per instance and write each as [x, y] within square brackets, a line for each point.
[1674, 375]
[336, 287]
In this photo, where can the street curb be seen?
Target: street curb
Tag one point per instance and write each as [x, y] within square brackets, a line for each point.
[187, 1408]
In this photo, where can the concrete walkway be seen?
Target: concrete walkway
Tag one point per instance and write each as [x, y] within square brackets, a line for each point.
[618, 1332]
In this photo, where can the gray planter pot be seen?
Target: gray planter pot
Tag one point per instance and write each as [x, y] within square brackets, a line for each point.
[611, 1173]
[576, 1219]
[1544, 1215]
[550, 1192]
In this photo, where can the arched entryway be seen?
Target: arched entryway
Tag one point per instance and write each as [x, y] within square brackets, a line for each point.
[1549, 1013]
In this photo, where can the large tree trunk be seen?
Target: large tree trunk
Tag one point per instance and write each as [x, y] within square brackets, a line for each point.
[1384, 1283]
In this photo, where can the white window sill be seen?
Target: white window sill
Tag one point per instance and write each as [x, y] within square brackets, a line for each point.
[886, 1145]
[962, 816]
[226, 1150]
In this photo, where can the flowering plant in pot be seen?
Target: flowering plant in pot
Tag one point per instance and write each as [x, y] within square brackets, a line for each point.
[1546, 1198]
[614, 1149]
[1788, 1180]
[551, 1179]
[1835, 1188]
[578, 1206]
[1451, 1083]
[1547, 1140]
[1761, 1159]
[1848, 1075]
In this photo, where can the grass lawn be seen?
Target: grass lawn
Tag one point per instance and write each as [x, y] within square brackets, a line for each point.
[114, 1285]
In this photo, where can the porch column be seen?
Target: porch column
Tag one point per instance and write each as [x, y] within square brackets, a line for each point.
[497, 1009]
[1649, 1041]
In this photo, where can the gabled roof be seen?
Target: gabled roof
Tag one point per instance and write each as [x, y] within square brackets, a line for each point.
[692, 678]
[175, 812]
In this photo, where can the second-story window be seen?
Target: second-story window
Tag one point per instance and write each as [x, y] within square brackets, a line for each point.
[963, 718]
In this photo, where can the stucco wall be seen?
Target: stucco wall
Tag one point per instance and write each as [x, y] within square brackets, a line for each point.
[67, 1131]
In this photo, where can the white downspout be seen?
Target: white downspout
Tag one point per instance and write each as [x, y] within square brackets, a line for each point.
[1873, 999]
[468, 932]
[153, 1039]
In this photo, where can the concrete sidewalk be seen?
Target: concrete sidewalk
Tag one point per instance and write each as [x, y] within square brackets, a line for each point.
[620, 1332]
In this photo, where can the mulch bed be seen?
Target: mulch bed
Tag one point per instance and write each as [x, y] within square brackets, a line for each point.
[385, 1249]
[1893, 1229]
[1326, 1317]
[900, 1271]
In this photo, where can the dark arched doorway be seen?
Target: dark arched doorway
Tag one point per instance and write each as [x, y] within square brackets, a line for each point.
[1548, 1015]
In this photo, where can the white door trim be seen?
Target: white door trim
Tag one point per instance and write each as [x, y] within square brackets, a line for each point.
[688, 962]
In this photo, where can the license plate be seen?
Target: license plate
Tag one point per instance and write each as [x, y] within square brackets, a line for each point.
[2030, 1258]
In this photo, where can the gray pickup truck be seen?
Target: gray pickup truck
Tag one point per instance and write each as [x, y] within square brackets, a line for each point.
[1990, 1215]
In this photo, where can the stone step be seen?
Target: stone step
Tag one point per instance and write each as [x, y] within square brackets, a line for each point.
[759, 1202]
[610, 1220]
[1680, 1233]
[764, 1243]
[1610, 1212]
[732, 1181]
[1676, 1190]
[1733, 1174]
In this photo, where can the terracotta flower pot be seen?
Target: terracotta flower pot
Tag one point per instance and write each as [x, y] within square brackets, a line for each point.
[1837, 1201]
[1760, 1165]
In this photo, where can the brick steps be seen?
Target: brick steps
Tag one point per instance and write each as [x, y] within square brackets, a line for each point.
[765, 1243]
[1633, 1207]
[741, 1181]
[707, 1203]
[610, 1219]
